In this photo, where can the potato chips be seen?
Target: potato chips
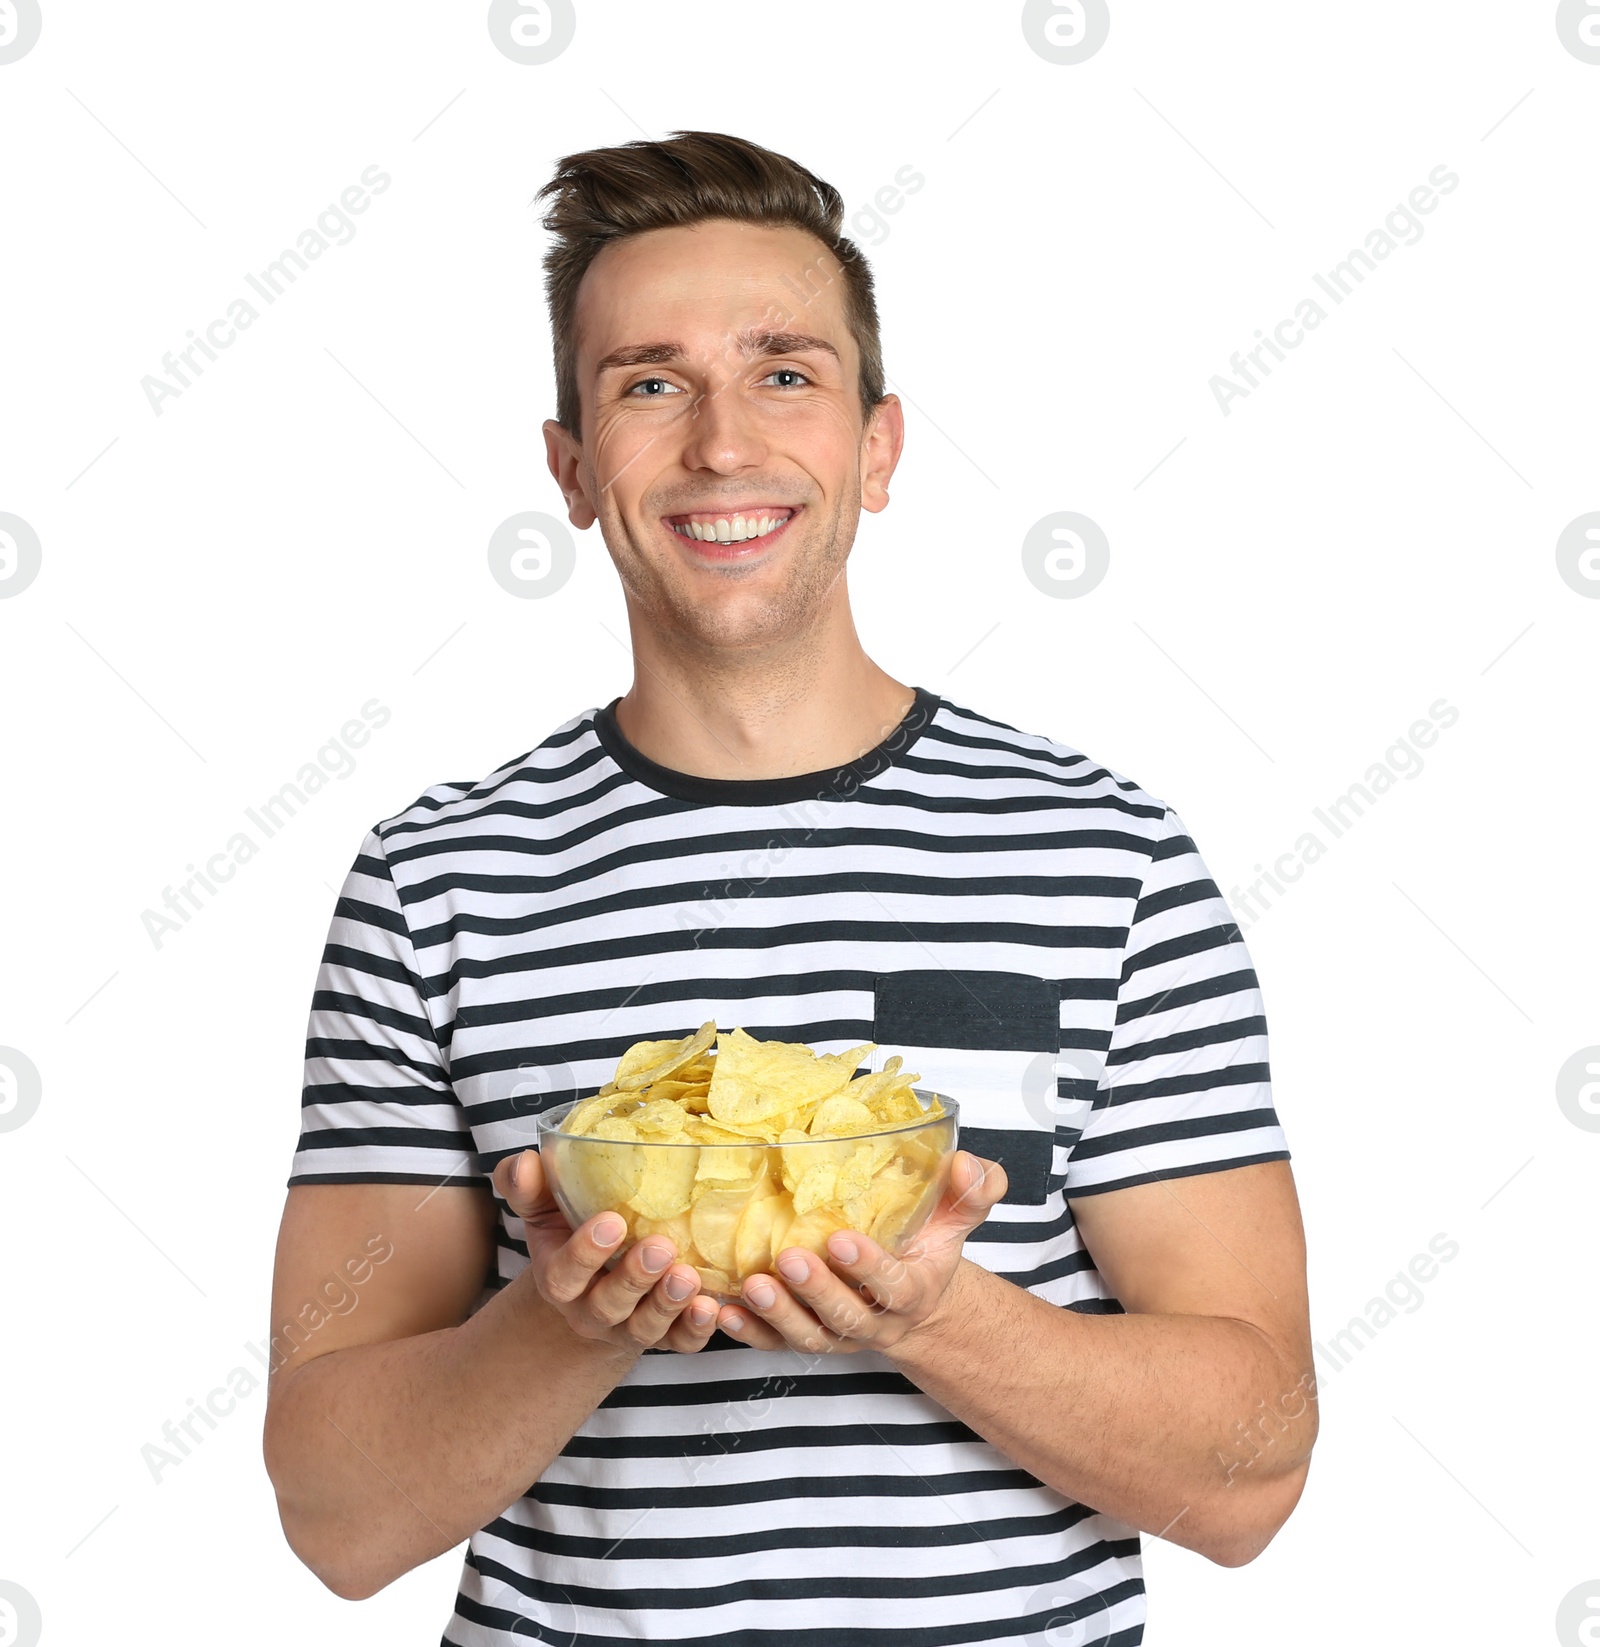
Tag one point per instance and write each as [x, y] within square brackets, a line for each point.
[774, 1146]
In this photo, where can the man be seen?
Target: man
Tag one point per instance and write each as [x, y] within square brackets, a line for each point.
[1102, 1329]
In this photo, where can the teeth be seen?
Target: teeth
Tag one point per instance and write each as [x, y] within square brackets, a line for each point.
[740, 529]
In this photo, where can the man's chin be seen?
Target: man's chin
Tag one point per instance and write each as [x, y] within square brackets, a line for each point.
[734, 632]
[731, 621]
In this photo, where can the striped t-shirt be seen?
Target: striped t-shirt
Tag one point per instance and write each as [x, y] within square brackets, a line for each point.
[1031, 931]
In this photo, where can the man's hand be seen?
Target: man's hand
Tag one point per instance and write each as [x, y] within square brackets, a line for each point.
[879, 1298]
[645, 1300]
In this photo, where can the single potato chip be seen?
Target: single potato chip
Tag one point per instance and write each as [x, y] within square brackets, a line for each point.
[864, 1089]
[667, 1183]
[675, 1228]
[643, 1055]
[811, 1230]
[782, 1218]
[881, 1194]
[795, 1164]
[715, 1280]
[660, 1119]
[865, 1159]
[896, 1108]
[754, 1080]
[648, 1061]
[699, 1130]
[623, 1128]
[713, 1221]
[752, 1239]
[602, 1176]
[900, 1207]
[818, 1185]
[840, 1115]
[755, 1132]
[731, 1163]
[586, 1113]
[675, 1090]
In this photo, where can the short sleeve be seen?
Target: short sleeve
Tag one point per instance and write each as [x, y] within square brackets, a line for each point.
[1186, 1087]
[377, 1106]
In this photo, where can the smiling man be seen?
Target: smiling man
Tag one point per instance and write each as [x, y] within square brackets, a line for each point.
[1103, 1328]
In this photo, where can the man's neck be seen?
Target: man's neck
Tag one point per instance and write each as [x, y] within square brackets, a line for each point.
[766, 718]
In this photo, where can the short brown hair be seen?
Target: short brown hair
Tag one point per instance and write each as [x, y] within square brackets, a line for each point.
[604, 195]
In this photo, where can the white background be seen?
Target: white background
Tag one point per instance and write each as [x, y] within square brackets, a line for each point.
[304, 529]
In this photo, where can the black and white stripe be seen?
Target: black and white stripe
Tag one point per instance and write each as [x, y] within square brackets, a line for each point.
[496, 947]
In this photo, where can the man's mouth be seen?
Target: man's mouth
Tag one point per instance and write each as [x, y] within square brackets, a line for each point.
[740, 528]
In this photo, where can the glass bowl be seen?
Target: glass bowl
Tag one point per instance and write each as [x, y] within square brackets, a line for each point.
[730, 1209]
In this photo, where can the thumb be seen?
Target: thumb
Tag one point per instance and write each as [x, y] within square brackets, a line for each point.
[977, 1183]
[520, 1181]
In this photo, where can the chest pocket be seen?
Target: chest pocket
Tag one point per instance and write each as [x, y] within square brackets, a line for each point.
[990, 1041]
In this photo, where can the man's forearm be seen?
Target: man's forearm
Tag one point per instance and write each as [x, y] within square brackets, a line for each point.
[1192, 1427]
[386, 1455]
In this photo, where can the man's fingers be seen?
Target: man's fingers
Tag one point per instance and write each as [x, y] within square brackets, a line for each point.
[583, 1255]
[691, 1330]
[745, 1326]
[630, 1290]
[669, 1296]
[649, 1294]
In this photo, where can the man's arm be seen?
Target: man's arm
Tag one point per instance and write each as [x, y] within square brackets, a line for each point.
[398, 1424]
[1192, 1416]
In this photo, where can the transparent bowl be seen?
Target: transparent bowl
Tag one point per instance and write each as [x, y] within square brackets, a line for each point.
[884, 1184]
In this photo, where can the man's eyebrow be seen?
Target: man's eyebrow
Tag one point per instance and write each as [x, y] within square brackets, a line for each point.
[753, 343]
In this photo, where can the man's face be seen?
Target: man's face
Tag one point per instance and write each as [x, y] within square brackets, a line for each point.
[718, 383]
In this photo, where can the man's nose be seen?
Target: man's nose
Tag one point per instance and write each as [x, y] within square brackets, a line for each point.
[723, 430]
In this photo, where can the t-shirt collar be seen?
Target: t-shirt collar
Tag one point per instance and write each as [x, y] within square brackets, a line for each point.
[834, 783]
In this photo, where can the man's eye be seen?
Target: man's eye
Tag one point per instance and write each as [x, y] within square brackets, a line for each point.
[653, 383]
[788, 371]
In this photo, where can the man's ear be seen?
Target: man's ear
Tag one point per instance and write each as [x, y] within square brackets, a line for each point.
[565, 457]
[880, 452]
